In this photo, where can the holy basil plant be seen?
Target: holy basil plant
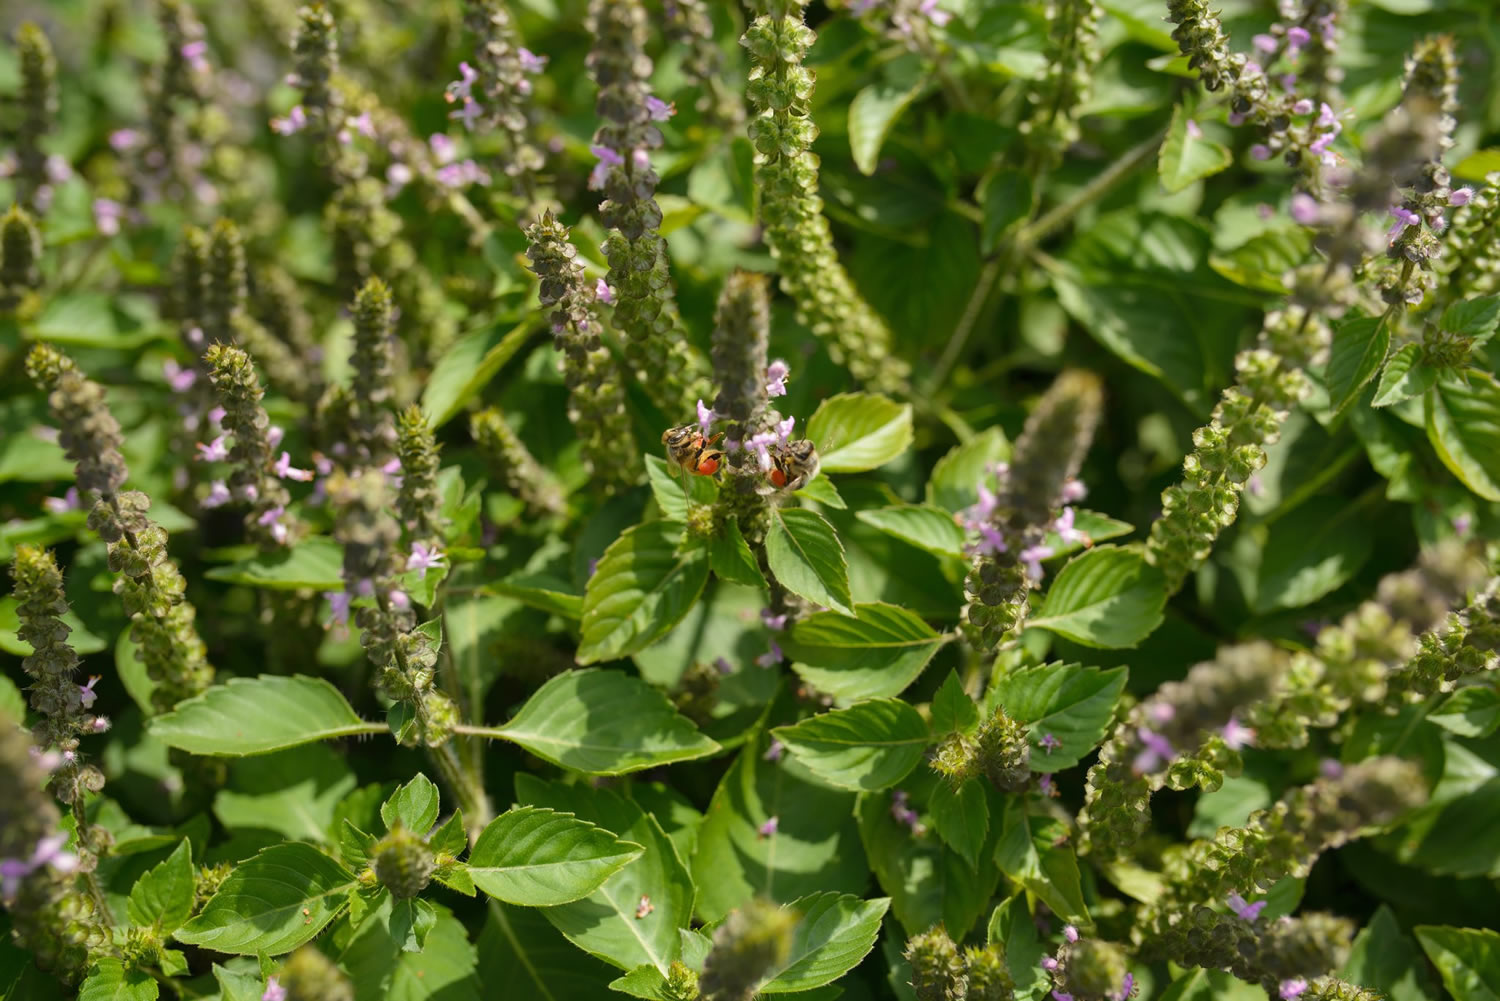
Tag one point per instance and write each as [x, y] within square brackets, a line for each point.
[886, 500]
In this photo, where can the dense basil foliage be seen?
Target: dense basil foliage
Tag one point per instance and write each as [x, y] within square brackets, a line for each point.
[937, 500]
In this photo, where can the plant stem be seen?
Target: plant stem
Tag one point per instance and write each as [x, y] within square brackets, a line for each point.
[1089, 193]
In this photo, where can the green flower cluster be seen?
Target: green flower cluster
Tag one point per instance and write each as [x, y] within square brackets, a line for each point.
[690, 25]
[781, 130]
[1033, 489]
[20, 255]
[998, 750]
[372, 382]
[148, 583]
[37, 101]
[1473, 244]
[596, 403]
[233, 376]
[741, 340]
[309, 975]
[506, 87]
[535, 484]
[657, 346]
[752, 941]
[1072, 54]
[940, 973]
[418, 501]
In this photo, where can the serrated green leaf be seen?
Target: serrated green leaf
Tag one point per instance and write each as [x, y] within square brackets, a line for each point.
[1473, 711]
[643, 586]
[237, 986]
[110, 981]
[445, 968]
[1474, 319]
[874, 653]
[953, 484]
[468, 365]
[953, 711]
[1263, 261]
[961, 817]
[1071, 703]
[877, 106]
[820, 489]
[604, 723]
[414, 805]
[1405, 376]
[1011, 926]
[730, 558]
[677, 491]
[871, 745]
[259, 715]
[926, 527]
[163, 897]
[539, 591]
[807, 558]
[1463, 424]
[856, 432]
[1385, 959]
[834, 932]
[272, 902]
[1359, 348]
[296, 793]
[1107, 597]
[539, 858]
[1185, 158]
[315, 564]
[1029, 852]
[1467, 958]
[410, 923]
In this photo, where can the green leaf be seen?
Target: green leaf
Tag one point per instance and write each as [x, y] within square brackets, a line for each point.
[444, 969]
[924, 526]
[415, 805]
[1359, 347]
[815, 847]
[1095, 526]
[1469, 712]
[1405, 376]
[1011, 926]
[539, 858]
[953, 485]
[1211, 985]
[258, 715]
[163, 897]
[110, 981]
[806, 557]
[835, 932]
[953, 711]
[1463, 424]
[1474, 319]
[1467, 958]
[643, 586]
[236, 986]
[1007, 204]
[730, 558]
[467, 366]
[856, 432]
[1072, 703]
[961, 817]
[674, 489]
[1185, 158]
[874, 653]
[314, 564]
[296, 793]
[1309, 553]
[604, 723]
[1107, 597]
[1029, 853]
[1384, 958]
[519, 948]
[820, 490]
[871, 745]
[537, 590]
[272, 903]
[877, 106]
[1263, 261]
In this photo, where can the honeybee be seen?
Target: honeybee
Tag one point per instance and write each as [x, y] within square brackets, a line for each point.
[794, 465]
[687, 448]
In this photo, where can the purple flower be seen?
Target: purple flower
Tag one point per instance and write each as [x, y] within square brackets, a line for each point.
[640, 159]
[48, 851]
[1253, 68]
[706, 417]
[274, 991]
[769, 827]
[775, 623]
[1193, 129]
[107, 215]
[603, 292]
[1046, 785]
[1236, 118]
[286, 471]
[398, 176]
[1296, 37]
[1049, 743]
[86, 693]
[1305, 208]
[1070, 933]
[1074, 490]
[1461, 196]
[444, 150]
[1461, 523]
[771, 657]
[99, 724]
[218, 495]
[760, 444]
[1158, 751]
[271, 518]
[121, 140]
[1032, 556]
[774, 751]
[424, 558]
[214, 451]
[179, 378]
[194, 52]
[274, 434]
[1330, 769]
[658, 110]
[1404, 217]
[1248, 912]
[461, 175]
[1049, 964]
[363, 124]
[776, 374]
[985, 506]
[1265, 43]
[1161, 713]
[1291, 989]
[934, 13]
[531, 62]
[462, 88]
[1063, 526]
[294, 122]
[1126, 987]
[67, 502]
[990, 540]
[607, 158]
[1236, 735]
[1303, 107]
[468, 113]
[593, 566]
[399, 599]
[1260, 151]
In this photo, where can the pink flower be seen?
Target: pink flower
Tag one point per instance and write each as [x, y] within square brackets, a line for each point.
[1264, 43]
[363, 124]
[461, 89]
[195, 52]
[776, 375]
[399, 600]
[706, 417]
[274, 991]
[1303, 107]
[658, 110]
[274, 434]
[1260, 151]
[67, 502]
[284, 469]
[294, 122]
[338, 605]
[1073, 491]
[121, 140]
[218, 495]
[1070, 933]
[1049, 964]
[1157, 753]
[179, 378]
[424, 558]
[86, 694]
[1248, 912]
[444, 150]
[1461, 523]
[771, 657]
[531, 62]
[1461, 196]
[468, 113]
[775, 751]
[1291, 989]
[603, 292]
[214, 451]
[1330, 769]
[1193, 129]
[607, 158]
[398, 176]
[1063, 526]
[723, 666]
[1032, 556]
[769, 827]
[1049, 743]
[107, 215]
[1253, 68]
[1046, 785]
[773, 622]
[99, 724]
[1304, 208]
[1236, 735]
[1296, 37]
[271, 518]
[1161, 713]
[934, 13]
[1404, 217]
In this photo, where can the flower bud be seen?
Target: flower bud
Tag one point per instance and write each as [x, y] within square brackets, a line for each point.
[403, 863]
[753, 941]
